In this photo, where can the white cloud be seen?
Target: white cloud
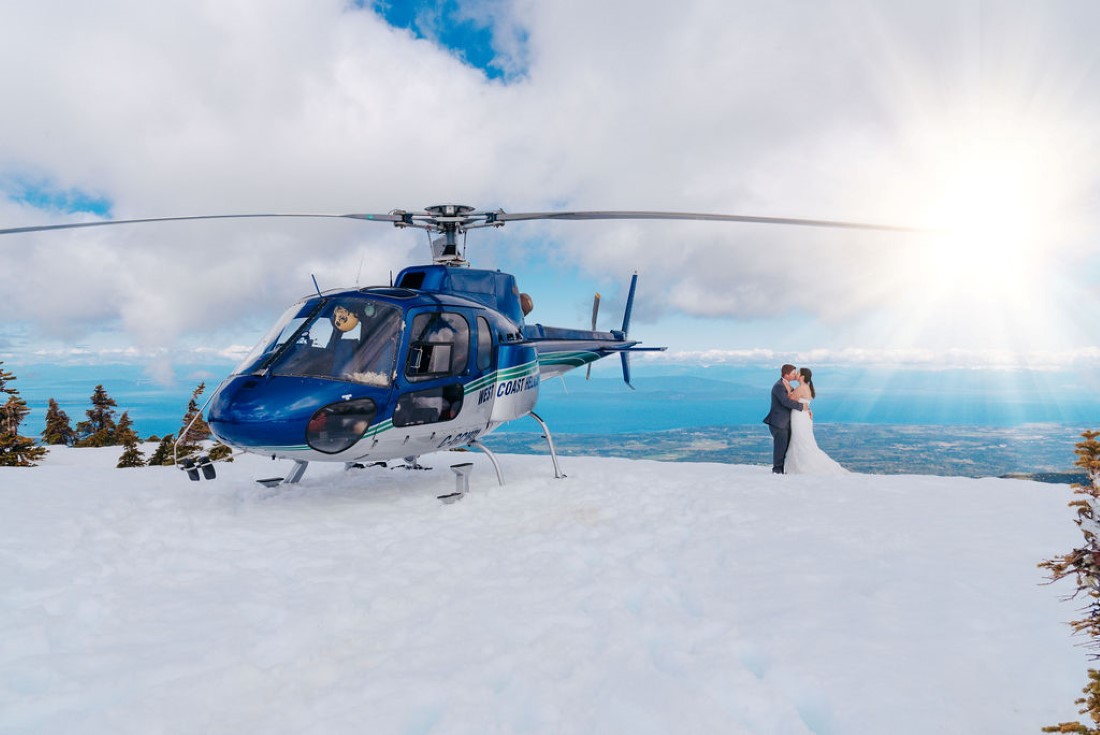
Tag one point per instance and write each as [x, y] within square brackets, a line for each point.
[840, 111]
[1085, 358]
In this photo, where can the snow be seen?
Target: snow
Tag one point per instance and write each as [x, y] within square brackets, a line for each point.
[631, 597]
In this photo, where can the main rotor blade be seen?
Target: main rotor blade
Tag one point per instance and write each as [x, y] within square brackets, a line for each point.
[519, 216]
[472, 220]
[103, 223]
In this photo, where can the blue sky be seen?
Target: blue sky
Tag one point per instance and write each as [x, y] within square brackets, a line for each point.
[47, 196]
[977, 119]
[457, 27]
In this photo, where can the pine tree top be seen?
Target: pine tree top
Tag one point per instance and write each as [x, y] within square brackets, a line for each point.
[193, 427]
[6, 377]
[59, 429]
[100, 397]
[164, 454]
[124, 432]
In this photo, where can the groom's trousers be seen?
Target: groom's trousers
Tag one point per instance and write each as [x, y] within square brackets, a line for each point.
[781, 438]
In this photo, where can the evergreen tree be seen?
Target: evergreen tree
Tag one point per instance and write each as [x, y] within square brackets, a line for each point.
[124, 432]
[1083, 563]
[191, 434]
[5, 378]
[58, 429]
[15, 450]
[12, 414]
[220, 452]
[163, 454]
[128, 438]
[99, 429]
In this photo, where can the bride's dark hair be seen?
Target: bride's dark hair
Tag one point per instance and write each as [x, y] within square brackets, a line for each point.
[808, 379]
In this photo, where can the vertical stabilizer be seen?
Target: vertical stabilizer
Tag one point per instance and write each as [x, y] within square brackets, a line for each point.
[625, 356]
[629, 304]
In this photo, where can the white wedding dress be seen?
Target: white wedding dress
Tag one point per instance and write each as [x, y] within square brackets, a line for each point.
[804, 457]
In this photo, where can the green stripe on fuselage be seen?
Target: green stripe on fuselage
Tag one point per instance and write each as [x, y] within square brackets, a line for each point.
[499, 376]
[575, 358]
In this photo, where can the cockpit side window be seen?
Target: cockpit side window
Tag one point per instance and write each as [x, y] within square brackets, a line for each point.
[439, 346]
[484, 344]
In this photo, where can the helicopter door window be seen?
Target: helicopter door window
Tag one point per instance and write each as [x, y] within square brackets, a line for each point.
[484, 344]
[439, 346]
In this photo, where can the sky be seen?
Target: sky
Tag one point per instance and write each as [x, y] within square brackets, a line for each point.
[976, 120]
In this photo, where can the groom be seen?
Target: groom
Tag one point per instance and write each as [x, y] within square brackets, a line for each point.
[779, 418]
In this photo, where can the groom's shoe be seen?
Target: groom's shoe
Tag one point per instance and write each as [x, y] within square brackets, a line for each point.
[777, 470]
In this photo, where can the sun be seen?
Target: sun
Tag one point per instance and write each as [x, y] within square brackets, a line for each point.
[997, 201]
[987, 218]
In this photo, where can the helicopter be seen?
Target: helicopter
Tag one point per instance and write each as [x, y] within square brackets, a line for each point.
[435, 361]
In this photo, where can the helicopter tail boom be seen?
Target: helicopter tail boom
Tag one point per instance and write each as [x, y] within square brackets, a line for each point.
[561, 350]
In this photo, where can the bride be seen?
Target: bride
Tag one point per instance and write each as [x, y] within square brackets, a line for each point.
[804, 457]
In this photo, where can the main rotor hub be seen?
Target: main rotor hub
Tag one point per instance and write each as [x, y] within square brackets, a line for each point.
[457, 211]
[448, 220]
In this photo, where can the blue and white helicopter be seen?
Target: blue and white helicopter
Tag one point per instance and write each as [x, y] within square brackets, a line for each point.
[436, 361]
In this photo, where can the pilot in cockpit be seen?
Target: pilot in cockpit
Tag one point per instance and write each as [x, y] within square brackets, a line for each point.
[344, 320]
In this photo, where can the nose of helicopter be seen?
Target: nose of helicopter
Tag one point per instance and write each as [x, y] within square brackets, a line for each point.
[293, 413]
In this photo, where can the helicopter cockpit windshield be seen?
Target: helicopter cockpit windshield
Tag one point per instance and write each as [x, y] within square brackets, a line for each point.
[343, 338]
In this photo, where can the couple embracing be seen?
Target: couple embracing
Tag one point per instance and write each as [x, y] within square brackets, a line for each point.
[791, 421]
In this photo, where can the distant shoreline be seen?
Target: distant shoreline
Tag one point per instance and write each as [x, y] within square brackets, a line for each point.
[1042, 452]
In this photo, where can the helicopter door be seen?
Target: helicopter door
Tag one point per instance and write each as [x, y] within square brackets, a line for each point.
[438, 358]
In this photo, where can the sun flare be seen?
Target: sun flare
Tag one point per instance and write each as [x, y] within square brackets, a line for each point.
[1000, 198]
[988, 222]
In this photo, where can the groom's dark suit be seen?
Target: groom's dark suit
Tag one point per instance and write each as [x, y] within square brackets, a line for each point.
[779, 421]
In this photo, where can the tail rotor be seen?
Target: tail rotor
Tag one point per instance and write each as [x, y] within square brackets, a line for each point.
[595, 311]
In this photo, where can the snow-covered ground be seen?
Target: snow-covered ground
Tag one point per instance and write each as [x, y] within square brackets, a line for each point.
[632, 597]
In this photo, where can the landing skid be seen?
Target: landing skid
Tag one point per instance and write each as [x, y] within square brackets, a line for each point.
[462, 483]
[558, 474]
[348, 466]
[412, 463]
[292, 477]
[492, 458]
[192, 466]
[203, 463]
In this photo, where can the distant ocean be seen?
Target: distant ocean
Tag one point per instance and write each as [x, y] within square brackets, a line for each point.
[960, 422]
